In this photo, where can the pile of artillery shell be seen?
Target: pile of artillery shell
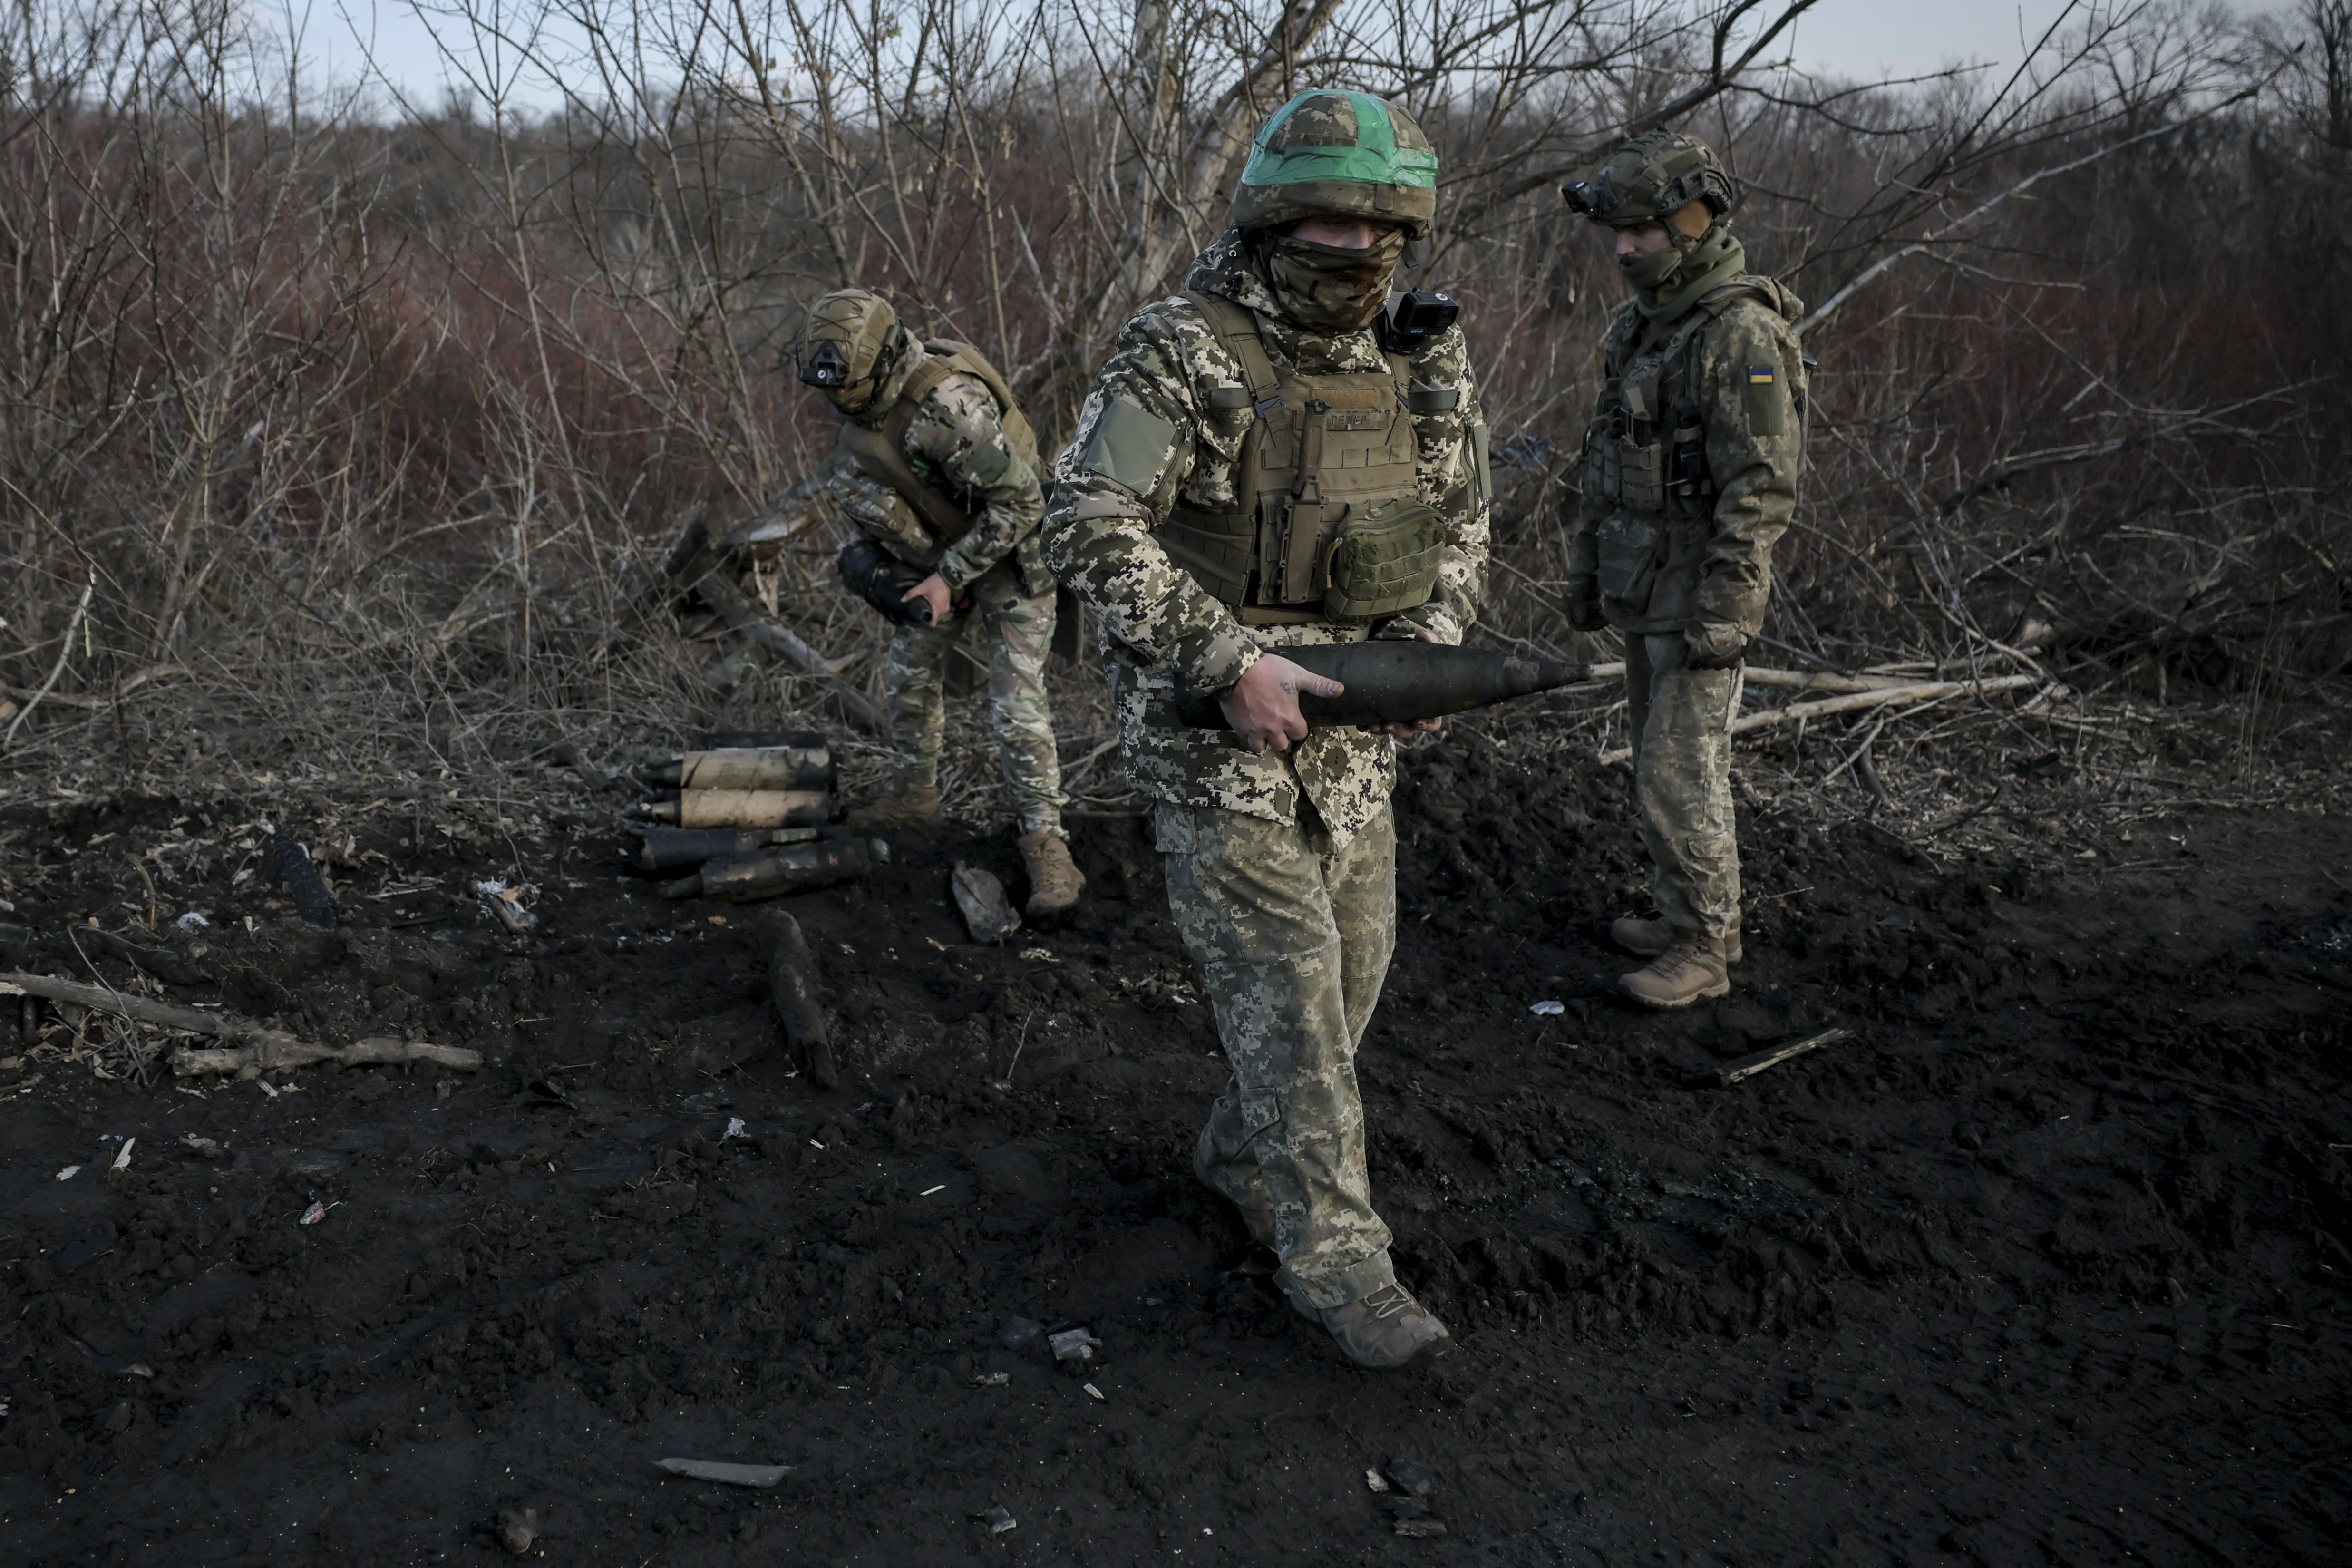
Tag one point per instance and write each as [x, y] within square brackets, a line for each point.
[747, 810]
[742, 787]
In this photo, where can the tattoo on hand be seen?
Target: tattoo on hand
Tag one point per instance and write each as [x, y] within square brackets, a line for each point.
[1289, 686]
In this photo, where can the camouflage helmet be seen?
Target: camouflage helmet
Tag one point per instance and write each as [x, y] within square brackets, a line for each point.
[1652, 177]
[1333, 152]
[847, 340]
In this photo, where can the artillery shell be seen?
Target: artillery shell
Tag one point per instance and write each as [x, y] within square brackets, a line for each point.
[739, 808]
[765, 767]
[1402, 682]
[796, 870]
[672, 848]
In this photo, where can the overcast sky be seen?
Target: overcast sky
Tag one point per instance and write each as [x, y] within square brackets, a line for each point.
[1846, 38]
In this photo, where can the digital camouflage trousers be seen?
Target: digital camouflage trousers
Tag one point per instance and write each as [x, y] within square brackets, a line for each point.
[1017, 632]
[1293, 938]
[1681, 724]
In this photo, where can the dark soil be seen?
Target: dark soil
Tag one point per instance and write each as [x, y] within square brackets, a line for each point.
[2047, 1261]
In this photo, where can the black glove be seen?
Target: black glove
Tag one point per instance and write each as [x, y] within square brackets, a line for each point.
[1713, 645]
[1583, 606]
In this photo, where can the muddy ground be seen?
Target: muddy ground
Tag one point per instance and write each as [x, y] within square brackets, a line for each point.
[2048, 1262]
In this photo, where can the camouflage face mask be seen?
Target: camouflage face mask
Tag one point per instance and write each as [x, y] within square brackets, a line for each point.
[1666, 281]
[1327, 288]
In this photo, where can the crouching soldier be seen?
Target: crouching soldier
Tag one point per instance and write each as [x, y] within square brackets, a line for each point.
[1690, 475]
[943, 476]
[1268, 460]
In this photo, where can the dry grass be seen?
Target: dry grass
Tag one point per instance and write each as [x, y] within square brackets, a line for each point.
[341, 450]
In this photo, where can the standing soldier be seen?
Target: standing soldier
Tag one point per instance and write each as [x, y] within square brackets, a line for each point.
[1691, 465]
[943, 476]
[1260, 466]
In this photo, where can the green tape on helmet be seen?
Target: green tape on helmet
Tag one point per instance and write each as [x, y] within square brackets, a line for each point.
[1372, 156]
[1338, 152]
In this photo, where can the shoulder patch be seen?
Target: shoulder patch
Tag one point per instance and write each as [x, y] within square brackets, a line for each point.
[1767, 403]
[1130, 446]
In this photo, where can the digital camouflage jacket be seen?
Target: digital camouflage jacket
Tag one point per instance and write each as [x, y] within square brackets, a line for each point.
[1160, 628]
[1658, 553]
[957, 446]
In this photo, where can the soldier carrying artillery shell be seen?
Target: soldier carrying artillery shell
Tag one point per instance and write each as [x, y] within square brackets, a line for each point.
[1269, 460]
[942, 487]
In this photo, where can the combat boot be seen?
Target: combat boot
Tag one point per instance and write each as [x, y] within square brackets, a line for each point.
[1692, 968]
[1386, 1331]
[1647, 939]
[914, 806]
[1055, 880]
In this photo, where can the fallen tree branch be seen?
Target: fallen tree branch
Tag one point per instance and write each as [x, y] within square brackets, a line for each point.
[698, 566]
[1855, 701]
[744, 616]
[1749, 1067]
[272, 1050]
[262, 1046]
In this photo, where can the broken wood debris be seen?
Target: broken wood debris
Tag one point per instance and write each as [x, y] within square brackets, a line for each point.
[1749, 1067]
[261, 1047]
[1853, 700]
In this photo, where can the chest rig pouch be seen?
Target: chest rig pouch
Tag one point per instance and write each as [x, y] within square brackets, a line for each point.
[1328, 523]
[1645, 454]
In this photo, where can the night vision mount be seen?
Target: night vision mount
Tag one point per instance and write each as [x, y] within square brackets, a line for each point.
[826, 368]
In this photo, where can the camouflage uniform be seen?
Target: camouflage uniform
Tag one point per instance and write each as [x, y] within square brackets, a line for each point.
[957, 446]
[1708, 364]
[1281, 866]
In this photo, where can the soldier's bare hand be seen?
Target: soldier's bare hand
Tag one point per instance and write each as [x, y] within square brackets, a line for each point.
[1263, 706]
[933, 591]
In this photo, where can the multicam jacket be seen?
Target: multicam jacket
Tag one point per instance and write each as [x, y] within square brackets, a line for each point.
[957, 446]
[1161, 628]
[1729, 373]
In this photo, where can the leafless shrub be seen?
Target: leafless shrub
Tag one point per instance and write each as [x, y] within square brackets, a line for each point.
[351, 441]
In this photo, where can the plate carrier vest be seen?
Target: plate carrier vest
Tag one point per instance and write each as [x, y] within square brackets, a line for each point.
[1328, 523]
[880, 452]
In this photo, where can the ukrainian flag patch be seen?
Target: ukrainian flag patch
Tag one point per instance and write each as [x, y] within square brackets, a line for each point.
[1765, 403]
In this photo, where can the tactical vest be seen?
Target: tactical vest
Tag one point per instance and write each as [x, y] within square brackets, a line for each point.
[1645, 450]
[1327, 521]
[880, 452]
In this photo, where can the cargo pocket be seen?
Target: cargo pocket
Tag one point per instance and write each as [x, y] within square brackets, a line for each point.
[1626, 551]
[1171, 829]
[1260, 1109]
